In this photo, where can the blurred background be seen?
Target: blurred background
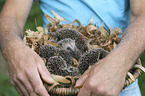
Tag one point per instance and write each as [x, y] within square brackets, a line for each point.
[6, 89]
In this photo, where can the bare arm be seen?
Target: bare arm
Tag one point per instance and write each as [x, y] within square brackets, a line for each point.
[133, 41]
[12, 19]
[25, 66]
[107, 77]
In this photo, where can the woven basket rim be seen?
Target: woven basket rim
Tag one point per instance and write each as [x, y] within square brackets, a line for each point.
[75, 91]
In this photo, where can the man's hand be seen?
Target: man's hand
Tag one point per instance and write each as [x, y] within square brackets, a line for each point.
[26, 70]
[105, 78]
[25, 66]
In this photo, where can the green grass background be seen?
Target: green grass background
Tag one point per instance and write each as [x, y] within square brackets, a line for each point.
[6, 89]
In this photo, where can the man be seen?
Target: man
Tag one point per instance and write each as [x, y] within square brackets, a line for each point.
[106, 78]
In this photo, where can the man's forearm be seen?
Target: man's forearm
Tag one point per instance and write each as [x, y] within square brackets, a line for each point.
[133, 41]
[9, 31]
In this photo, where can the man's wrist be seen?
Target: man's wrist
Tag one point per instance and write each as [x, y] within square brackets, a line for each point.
[124, 57]
[120, 58]
[11, 45]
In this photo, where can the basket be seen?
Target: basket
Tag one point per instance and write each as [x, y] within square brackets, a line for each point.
[56, 91]
[108, 41]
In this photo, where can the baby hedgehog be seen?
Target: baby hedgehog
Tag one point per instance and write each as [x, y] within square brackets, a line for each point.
[66, 56]
[69, 45]
[57, 65]
[80, 41]
[90, 58]
[48, 51]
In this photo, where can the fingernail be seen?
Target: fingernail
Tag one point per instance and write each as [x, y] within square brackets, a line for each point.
[77, 84]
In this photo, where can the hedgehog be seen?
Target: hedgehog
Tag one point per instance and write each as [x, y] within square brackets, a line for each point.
[66, 56]
[80, 41]
[47, 51]
[90, 58]
[57, 65]
[72, 71]
[103, 53]
[69, 45]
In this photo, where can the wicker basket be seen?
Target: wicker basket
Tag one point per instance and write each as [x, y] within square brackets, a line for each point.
[36, 39]
[56, 91]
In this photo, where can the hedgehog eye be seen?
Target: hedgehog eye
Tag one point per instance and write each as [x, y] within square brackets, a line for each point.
[68, 48]
[71, 69]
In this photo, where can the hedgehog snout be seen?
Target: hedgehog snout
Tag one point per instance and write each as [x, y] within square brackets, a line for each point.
[75, 53]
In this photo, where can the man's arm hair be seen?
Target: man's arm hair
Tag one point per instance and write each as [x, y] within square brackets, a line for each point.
[133, 40]
[12, 20]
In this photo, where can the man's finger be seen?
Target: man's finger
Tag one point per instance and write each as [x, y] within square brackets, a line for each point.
[33, 94]
[19, 91]
[21, 87]
[26, 84]
[85, 91]
[99, 94]
[83, 78]
[17, 88]
[43, 70]
[45, 73]
[37, 84]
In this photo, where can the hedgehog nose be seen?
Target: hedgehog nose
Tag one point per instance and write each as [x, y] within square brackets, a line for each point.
[76, 54]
